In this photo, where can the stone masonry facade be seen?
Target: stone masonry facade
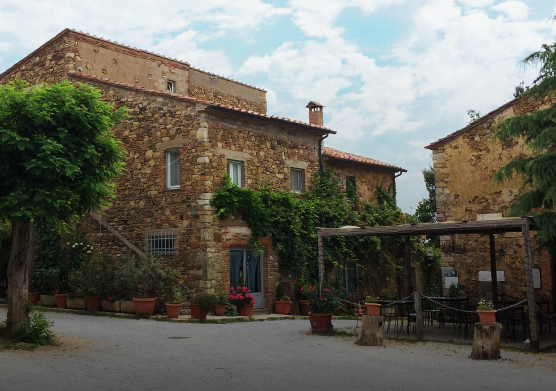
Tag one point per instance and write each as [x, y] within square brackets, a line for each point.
[465, 163]
[207, 121]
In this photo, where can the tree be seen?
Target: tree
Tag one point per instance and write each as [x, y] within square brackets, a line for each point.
[57, 158]
[538, 130]
[426, 209]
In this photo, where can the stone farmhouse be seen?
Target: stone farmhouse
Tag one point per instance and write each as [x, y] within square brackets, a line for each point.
[187, 129]
[465, 163]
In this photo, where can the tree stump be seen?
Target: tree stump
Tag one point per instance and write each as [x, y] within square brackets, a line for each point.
[486, 342]
[371, 331]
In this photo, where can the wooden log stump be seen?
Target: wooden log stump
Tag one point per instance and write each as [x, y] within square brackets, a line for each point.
[486, 342]
[371, 331]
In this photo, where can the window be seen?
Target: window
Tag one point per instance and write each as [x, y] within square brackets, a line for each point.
[351, 187]
[171, 86]
[160, 243]
[173, 169]
[297, 180]
[350, 277]
[235, 170]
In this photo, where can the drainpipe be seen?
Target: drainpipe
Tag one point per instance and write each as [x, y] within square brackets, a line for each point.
[321, 163]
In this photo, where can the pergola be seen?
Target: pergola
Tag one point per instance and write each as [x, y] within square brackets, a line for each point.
[484, 227]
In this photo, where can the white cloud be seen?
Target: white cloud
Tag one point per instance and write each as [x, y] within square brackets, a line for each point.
[515, 10]
[475, 3]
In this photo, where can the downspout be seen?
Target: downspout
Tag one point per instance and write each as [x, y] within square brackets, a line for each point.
[321, 163]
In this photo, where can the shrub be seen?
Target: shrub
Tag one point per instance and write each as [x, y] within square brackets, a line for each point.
[37, 331]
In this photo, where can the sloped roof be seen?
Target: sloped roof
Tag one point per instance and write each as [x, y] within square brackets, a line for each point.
[484, 119]
[145, 53]
[336, 154]
[216, 106]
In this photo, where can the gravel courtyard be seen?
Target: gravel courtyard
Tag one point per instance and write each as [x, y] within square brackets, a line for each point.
[103, 353]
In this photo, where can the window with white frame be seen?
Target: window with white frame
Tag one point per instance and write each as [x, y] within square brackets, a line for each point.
[173, 169]
[297, 180]
[235, 171]
[170, 86]
[161, 243]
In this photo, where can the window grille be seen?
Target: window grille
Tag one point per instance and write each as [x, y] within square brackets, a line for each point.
[161, 243]
[297, 180]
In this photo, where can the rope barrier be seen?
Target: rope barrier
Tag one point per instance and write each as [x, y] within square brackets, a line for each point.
[542, 313]
[471, 312]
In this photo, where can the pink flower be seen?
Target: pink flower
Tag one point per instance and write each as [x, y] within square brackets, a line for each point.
[326, 290]
[244, 289]
[238, 288]
[301, 289]
[313, 288]
[231, 288]
[253, 302]
[321, 299]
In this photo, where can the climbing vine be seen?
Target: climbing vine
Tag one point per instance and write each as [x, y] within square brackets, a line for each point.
[291, 221]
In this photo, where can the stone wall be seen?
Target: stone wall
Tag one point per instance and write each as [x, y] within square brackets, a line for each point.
[367, 178]
[465, 190]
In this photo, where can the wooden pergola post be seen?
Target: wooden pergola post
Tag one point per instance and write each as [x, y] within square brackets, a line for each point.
[531, 304]
[494, 277]
[321, 262]
[407, 264]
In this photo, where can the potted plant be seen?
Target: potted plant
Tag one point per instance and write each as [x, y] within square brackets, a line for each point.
[282, 303]
[92, 283]
[303, 294]
[487, 313]
[75, 298]
[111, 303]
[173, 305]
[202, 304]
[321, 307]
[146, 284]
[223, 302]
[243, 299]
[124, 275]
[372, 307]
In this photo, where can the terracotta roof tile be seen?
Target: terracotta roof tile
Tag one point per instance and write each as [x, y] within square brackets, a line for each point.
[173, 95]
[336, 154]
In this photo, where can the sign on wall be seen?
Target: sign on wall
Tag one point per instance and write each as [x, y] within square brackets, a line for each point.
[485, 275]
[450, 277]
[536, 278]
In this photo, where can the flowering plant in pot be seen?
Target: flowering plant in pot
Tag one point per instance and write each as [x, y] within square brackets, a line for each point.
[321, 305]
[372, 307]
[282, 301]
[242, 298]
[202, 304]
[303, 294]
[486, 311]
[111, 302]
[147, 281]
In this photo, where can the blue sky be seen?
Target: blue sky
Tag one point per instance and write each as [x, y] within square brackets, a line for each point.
[393, 75]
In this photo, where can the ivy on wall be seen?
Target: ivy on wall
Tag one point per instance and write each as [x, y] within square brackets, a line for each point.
[291, 221]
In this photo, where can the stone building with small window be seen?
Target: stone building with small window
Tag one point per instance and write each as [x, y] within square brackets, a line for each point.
[186, 129]
[465, 162]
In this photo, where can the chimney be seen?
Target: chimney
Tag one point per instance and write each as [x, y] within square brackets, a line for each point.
[315, 113]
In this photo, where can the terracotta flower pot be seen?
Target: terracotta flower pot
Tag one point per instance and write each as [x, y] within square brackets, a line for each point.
[245, 310]
[127, 306]
[92, 303]
[282, 307]
[220, 310]
[110, 306]
[48, 300]
[372, 309]
[487, 317]
[173, 310]
[34, 298]
[144, 305]
[61, 300]
[303, 307]
[197, 312]
[320, 323]
[76, 303]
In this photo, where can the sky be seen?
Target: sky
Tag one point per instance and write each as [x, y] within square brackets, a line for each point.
[393, 75]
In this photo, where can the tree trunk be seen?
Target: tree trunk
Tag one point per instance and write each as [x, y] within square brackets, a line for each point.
[486, 342]
[21, 258]
[371, 331]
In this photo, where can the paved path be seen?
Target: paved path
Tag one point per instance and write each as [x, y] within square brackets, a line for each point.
[102, 353]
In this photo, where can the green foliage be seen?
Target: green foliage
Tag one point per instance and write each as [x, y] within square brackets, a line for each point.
[292, 219]
[148, 279]
[323, 302]
[231, 310]
[426, 209]
[57, 152]
[36, 331]
[280, 293]
[5, 247]
[538, 130]
[473, 116]
[207, 301]
[456, 290]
